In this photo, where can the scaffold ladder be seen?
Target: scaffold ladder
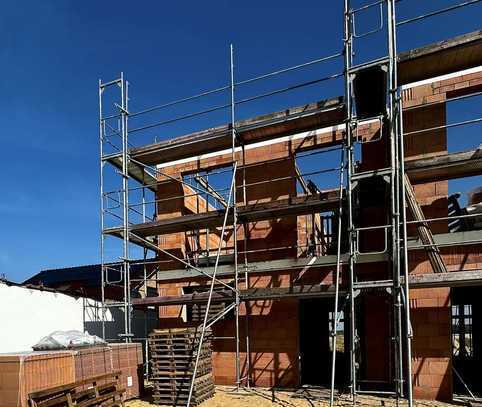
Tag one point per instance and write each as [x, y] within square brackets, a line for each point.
[382, 73]
[423, 229]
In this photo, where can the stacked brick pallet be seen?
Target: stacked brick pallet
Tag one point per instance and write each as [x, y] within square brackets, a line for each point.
[26, 372]
[124, 357]
[172, 357]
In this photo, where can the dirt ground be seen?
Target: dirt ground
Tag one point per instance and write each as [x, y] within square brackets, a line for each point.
[259, 397]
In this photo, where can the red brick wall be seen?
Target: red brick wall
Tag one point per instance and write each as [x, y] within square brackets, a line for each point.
[432, 347]
[430, 308]
[274, 324]
[274, 233]
[273, 327]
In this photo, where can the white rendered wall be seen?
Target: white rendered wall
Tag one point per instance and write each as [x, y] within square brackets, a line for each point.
[27, 315]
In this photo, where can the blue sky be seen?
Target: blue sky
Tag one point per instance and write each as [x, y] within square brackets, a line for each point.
[54, 52]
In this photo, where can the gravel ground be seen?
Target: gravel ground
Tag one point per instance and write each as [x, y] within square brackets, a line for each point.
[260, 397]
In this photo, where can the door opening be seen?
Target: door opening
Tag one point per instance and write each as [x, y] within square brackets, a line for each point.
[316, 345]
[466, 318]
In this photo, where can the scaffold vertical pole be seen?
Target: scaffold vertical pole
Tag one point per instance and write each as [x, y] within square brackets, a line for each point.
[125, 207]
[394, 194]
[235, 220]
[102, 237]
[348, 43]
[337, 282]
[406, 289]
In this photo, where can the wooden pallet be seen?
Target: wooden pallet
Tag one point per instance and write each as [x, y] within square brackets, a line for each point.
[177, 393]
[172, 359]
[102, 390]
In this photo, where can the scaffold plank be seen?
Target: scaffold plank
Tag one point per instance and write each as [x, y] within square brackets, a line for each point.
[430, 280]
[299, 205]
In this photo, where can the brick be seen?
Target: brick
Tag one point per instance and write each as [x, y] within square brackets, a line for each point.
[274, 326]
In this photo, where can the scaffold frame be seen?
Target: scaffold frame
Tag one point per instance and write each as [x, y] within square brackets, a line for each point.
[147, 177]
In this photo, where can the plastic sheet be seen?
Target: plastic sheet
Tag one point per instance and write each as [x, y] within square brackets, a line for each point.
[59, 340]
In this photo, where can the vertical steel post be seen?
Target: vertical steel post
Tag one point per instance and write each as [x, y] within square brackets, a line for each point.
[235, 220]
[406, 289]
[129, 303]
[84, 307]
[246, 273]
[348, 39]
[125, 208]
[394, 196]
[337, 282]
[246, 306]
[146, 311]
[102, 237]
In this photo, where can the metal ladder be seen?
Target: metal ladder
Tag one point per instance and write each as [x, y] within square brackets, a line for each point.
[423, 229]
[383, 79]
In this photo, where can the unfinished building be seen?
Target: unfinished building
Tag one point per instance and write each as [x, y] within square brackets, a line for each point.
[320, 243]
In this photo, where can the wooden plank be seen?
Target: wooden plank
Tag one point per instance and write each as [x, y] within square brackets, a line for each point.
[68, 394]
[56, 389]
[98, 400]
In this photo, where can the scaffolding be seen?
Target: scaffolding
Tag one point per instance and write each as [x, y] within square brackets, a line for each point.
[230, 210]
[382, 105]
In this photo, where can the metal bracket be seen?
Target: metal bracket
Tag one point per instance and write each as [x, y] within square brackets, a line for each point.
[121, 108]
[125, 335]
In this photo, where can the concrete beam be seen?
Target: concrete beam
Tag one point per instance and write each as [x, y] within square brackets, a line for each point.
[445, 167]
